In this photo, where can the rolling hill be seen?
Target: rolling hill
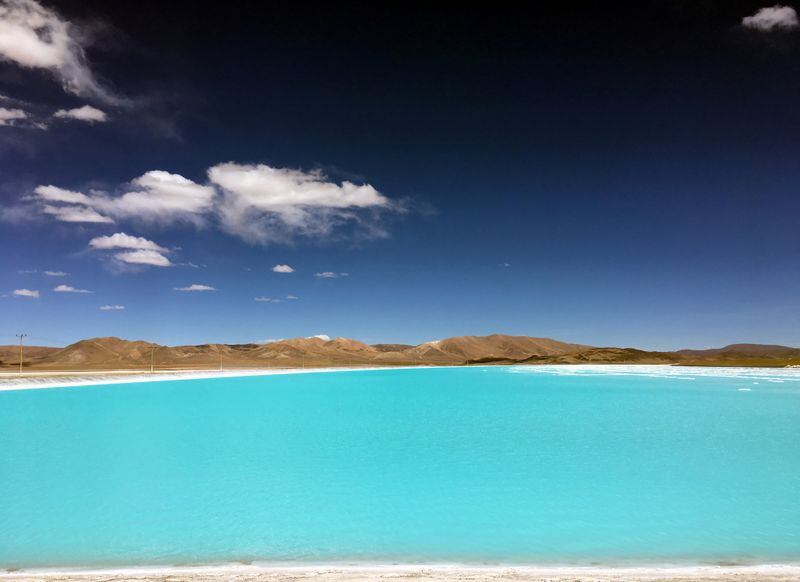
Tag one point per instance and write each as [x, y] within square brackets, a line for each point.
[111, 353]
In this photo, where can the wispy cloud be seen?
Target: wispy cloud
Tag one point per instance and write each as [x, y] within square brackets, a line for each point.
[75, 214]
[56, 194]
[26, 293]
[12, 116]
[263, 299]
[282, 269]
[35, 37]
[86, 113]
[292, 297]
[112, 308]
[56, 273]
[196, 287]
[262, 204]
[330, 275]
[69, 289]
[773, 18]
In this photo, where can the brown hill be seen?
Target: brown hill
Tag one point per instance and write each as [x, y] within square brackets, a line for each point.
[115, 353]
[751, 350]
[470, 347]
[607, 356]
[99, 353]
[754, 355]
[9, 355]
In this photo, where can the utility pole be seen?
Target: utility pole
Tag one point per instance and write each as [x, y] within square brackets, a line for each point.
[20, 336]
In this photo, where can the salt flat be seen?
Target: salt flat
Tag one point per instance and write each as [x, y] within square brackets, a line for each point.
[449, 573]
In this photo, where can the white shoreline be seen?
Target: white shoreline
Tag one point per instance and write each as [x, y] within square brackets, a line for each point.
[62, 379]
[432, 572]
[39, 380]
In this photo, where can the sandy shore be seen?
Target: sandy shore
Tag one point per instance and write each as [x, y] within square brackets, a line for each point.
[771, 573]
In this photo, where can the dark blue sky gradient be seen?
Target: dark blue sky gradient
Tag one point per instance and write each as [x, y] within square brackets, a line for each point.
[636, 167]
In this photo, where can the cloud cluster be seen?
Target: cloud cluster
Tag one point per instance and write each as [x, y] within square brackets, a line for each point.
[257, 203]
[35, 37]
[773, 18]
[282, 269]
[136, 250]
[20, 114]
[155, 197]
[330, 275]
[26, 293]
[263, 204]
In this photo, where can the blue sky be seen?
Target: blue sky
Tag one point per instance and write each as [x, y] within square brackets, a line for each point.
[605, 178]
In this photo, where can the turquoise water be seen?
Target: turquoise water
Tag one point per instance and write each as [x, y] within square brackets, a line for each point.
[473, 465]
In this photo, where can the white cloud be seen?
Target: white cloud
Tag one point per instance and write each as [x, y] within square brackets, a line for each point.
[112, 308]
[282, 269]
[75, 214]
[292, 297]
[257, 203]
[772, 18]
[196, 287]
[155, 197]
[263, 204]
[26, 293]
[56, 273]
[56, 194]
[153, 258]
[120, 240]
[69, 289]
[263, 299]
[138, 250]
[330, 275]
[163, 198]
[11, 116]
[321, 336]
[86, 113]
[36, 37]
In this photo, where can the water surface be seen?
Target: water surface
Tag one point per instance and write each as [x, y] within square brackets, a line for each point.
[544, 465]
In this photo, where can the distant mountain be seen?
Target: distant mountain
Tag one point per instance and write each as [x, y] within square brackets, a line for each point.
[743, 355]
[754, 350]
[607, 356]
[497, 346]
[110, 353]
